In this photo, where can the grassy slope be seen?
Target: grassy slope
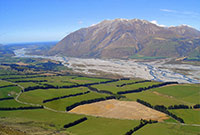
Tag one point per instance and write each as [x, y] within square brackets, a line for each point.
[190, 116]
[63, 103]
[168, 129]
[41, 115]
[153, 98]
[4, 83]
[59, 80]
[83, 80]
[169, 95]
[99, 126]
[11, 103]
[29, 84]
[187, 92]
[9, 91]
[113, 88]
[37, 96]
[94, 126]
[103, 126]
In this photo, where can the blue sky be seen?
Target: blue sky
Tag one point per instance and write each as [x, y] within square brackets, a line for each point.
[50, 20]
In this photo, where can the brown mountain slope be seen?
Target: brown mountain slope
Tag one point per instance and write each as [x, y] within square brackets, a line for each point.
[122, 38]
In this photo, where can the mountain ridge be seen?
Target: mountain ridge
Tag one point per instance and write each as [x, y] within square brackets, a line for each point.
[123, 38]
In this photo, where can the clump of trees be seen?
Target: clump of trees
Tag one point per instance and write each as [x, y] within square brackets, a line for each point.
[114, 80]
[124, 78]
[179, 107]
[88, 102]
[196, 106]
[146, 88]
[144, 103]
[161, 108]
[20, 108]
[66, 96]
[75, 122]
[142, 124]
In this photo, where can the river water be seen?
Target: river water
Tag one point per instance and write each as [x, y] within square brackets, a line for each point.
[156, 70]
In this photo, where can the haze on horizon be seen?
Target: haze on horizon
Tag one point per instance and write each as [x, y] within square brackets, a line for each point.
[51, 20]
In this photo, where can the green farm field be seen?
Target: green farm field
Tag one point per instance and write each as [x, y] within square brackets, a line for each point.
[112, 87]
[9, 91]
[11, 103]
[153, 98]
[169, 95]
[54, 116]
[61, 104]
[37, 96]
[4, 83]
[168, 129]
[103, 126]
[188, 93]
[191, 116]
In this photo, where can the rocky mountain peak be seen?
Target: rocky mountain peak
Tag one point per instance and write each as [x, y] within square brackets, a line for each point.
[122, 38]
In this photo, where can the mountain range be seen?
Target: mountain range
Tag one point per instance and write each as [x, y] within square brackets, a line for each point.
[123, 38]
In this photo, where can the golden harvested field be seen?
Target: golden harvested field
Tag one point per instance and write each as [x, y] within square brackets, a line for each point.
[120, 110]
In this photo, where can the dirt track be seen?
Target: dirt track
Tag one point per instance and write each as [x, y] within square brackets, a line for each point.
[120, 110]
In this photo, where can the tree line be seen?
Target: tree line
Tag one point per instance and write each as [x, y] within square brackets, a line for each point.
[160, 108]
[66, 96]
[124, 84]
[75, 122]
[8, 86]
[142, 124]
[179, 107]
[34, 81]
[196, 106]
[7, 98]
[48, 86]
[182, 106]
[124, 78]
[146, 88]
[68, 108]
[20, 108]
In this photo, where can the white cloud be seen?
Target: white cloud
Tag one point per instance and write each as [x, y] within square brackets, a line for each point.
[156, 23]
[168, 10]
[183, 13]
[80, 22]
